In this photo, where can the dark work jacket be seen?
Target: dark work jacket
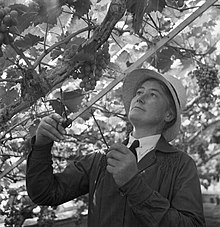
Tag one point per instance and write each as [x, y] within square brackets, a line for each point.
[165, 193]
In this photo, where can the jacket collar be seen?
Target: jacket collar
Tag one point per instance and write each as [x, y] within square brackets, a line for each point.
[164, 146]
[150, 158]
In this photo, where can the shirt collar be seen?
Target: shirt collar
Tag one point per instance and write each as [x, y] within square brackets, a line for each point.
[145, 142]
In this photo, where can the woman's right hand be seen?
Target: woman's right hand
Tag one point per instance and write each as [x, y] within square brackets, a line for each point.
[50, 129]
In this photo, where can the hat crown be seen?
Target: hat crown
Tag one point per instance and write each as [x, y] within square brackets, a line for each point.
[179, 90]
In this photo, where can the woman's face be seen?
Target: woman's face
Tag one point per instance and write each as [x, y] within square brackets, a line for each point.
[150, 106]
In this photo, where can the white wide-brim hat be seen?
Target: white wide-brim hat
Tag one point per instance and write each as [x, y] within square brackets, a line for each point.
[138, 76]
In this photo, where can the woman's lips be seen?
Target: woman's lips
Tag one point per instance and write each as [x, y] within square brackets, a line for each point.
[137, 107]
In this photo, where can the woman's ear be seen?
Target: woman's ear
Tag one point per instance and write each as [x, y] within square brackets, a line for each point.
[170, 115]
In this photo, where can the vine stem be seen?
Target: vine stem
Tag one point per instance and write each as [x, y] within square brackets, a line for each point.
[45, 38]
[209, 158]
[19, 52]
[99, 129]
[10, 80]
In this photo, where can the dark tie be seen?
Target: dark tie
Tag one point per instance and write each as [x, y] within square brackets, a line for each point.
[133, 147]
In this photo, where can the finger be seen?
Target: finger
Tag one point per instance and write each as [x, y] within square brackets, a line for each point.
[57, 117]
[120, 148]
[110, 169]
[52, 134]
[115, 154]
[112, 162]
[55, 120]
[60, 128]
[48, 127]
[51, 131]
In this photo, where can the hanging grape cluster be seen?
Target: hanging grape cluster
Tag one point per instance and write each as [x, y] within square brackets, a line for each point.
[91, 71]
[207, 80]
[8, 19]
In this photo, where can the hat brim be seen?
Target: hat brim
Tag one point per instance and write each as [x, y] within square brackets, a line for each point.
[131, 83]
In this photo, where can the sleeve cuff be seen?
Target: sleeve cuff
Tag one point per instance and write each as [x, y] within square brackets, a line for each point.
[42, 152]
[136, 190]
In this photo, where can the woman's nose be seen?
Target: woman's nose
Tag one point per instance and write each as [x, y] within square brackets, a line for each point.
[140, 98]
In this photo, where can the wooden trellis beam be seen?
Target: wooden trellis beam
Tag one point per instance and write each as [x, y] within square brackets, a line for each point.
[13, 166]
[149, 53]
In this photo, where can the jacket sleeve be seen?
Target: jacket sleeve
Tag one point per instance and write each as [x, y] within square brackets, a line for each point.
[152, 209]
[46, 188]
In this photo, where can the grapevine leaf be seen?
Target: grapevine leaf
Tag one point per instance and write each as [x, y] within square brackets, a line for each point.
[34, 52]
[9, 53]
[2, 64]
[186, 63]
[78, 41]
[124, 56]
[87, 114]
[10, 96]
[122, 59]
[48, 11]
[5, 166]
[163, 59]
[56, 53]
[26, 15]
[65, 17]
[57, 106]
[13, 73]
[218, 59]
[137, 8]
[100, 10]
[72, 99]
[140, 7]
[36, 12]
[82, 7]
[114, 67]
[172, 3]
[2, 91]
[25, 20]
[77, 24]
[28, 41]
[73, 45]
[11, 2]
[14, 146]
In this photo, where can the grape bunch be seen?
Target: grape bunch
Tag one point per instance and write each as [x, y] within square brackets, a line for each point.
[8, 19]
[207, 80]
[91, 71]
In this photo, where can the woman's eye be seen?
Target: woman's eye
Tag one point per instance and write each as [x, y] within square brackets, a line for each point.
[153, 94]
[139, 92]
